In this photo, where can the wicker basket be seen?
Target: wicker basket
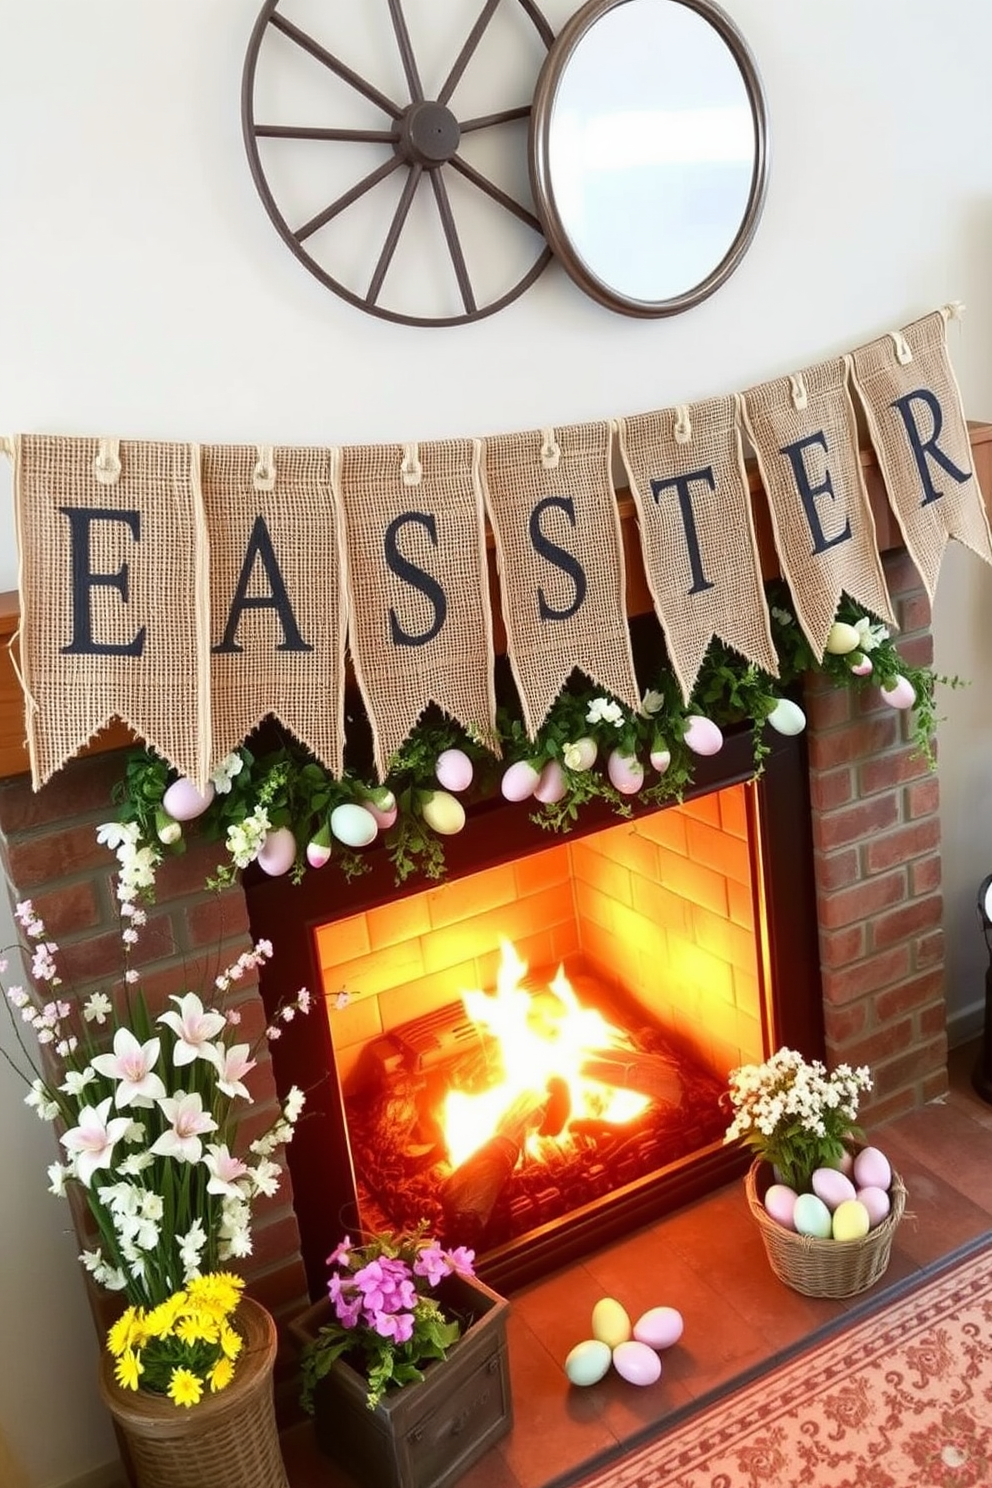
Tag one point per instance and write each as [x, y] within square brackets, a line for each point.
[823, 1268]
[228, 1440]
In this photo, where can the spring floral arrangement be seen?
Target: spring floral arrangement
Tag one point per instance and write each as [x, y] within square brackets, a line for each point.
[388, 1321]
[281, 809]
[794, 1114]
[148, 1108]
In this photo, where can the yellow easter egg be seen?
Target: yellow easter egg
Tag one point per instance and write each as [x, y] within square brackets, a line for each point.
[851, 1220]
[610, 1323]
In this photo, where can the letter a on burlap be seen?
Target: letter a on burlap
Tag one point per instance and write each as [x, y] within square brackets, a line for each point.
[554, 513]
[419, 619]
[919, 433]
[686, 471]
[805, 438]
[113, 597]
[277, 610]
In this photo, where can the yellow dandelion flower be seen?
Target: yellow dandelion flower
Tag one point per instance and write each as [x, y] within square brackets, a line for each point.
[221, 1374]
[196, 1327]
[218, 1290]
[123, 1332]
[230, 1341]
[127, 1369]
[162, 1319]
[185, 1388]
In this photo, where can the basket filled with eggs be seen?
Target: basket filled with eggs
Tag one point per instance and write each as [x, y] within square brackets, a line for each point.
[827, 1204]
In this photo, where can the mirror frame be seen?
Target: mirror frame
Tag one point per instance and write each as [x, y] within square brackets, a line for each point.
[546, 93]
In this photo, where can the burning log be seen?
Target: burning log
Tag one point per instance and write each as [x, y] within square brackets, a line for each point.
[628, 1069]
[469, 1194]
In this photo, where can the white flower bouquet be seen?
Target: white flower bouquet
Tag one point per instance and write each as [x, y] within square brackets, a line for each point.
[795, 1114]
[148, 1109]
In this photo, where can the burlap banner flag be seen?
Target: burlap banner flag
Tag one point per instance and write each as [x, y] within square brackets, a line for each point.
[277, 612]
[554, 514]
[419, 621]
[805, 438]
[686, 472]
[113, 597]
[918, 429]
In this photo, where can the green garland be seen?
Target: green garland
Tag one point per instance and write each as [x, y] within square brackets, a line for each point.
[258, 793]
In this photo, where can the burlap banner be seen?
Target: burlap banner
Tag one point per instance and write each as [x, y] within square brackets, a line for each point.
[277, 612]
[685, 466]
[918, 429]
[420, 625]
[113, 597]
[554, 514]
[804, 433]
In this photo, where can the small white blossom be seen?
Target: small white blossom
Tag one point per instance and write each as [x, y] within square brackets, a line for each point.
[601, 710]
[225, 772]
[39, 1098]
[97, 1009]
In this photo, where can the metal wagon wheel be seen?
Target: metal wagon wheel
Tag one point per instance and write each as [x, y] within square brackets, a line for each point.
[421, 136]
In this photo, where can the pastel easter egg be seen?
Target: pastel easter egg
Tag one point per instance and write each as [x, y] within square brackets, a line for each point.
[636, 1363]
[861, 666]
[780, 1203]
[519, 781]
[626, 772]
[454, 769]
[902, 693]
[659, 1327]
[831, 1186]
[381, 804]
[812, 1217]
[787, 717]
[318, 853]
[844, 1163]
[277, 852]
[702, 735]
[551, 785]
[581, 755]
[183, 801]
[661, 758]
[842, 638]
[588, 1361]
[876, 1201]
[850, 1221]
[872, 1169]
[610, 1322]
[444, 813]
[353, 825]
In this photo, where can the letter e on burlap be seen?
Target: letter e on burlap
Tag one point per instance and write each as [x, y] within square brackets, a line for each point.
[805, 439]
[919, 433]
[113, 603]
[554, 514]
[419, 620]
[277, 609]
[686, 472]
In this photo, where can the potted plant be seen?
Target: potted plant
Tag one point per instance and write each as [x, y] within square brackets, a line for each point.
[148, 1113]
[404, 1363]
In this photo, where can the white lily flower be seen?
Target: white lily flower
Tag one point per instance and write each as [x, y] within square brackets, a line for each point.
[194, 1028]
[232, 1064]
[224, 1170]
[41, 1101]
[132, 1065]
[189, 1122]
[92, 1142]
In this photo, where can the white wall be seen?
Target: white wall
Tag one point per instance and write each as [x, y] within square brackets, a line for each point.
[145, 293]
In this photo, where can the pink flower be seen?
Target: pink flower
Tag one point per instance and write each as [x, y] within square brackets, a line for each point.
[432, 1263]
[92, 1142]
[132, 1064]
[193, 1028]
[224, 1171]
[339, 1255]
[232, 1064]
[395, 1325]
[189, 1122]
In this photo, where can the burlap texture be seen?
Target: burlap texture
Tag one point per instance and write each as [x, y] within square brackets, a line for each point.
[151, 604]
[700, 551]
[818, 562]
[562, 612]
[438, 528]
[935, 494]
[289, 656]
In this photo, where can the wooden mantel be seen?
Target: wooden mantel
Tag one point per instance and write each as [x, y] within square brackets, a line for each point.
[13, 745]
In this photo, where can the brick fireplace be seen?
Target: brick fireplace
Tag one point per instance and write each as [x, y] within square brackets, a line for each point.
[872, 836]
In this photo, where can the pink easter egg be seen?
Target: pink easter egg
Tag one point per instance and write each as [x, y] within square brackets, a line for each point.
[318, 853]
[863, 667]
[872, 1169]
[902, 693]
[381, 805]
[519, 781]
[832, 1186]
[702, 735]
[636, 1363]
[659, 1327]
[626, 772]
[877, 1202]
[454, 769]
[184, 802]
[661, 758]
[277, 852]
[780, 1204]
[581, 754]
[551, 785]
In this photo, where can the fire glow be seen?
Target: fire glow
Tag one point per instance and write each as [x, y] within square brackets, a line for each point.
[545, 1040]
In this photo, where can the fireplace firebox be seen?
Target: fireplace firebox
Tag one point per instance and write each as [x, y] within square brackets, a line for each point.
[688, 936]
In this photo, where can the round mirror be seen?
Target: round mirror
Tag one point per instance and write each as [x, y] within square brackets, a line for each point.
[648, 151]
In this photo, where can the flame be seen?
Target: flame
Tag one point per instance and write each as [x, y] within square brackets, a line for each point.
[541, 1037]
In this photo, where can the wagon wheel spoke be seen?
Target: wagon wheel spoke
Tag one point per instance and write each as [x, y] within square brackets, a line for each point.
[321, 54]
[472, 41]
[361, 187]
[486, 120]
[498, 195]
[395, 228]
[305, 132]
[453, 242]
[406, 51]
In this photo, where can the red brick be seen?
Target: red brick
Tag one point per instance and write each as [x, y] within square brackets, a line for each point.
[856, 822]
[866, 977]
[935, 1086]
[841, 947]
[180, 876]
[828, 707]
[930, 950]
[882, 1043]
[40, 859]
[918, 993]
[216, 920]
[830, 789]
[917, 650]
[876, 1111]
[920, 1063]
[923, 799]
[841, 1024]
[892, 769]
[836, 870]
[913, 613]
[910, 920]
[901, 575]
[82, 788]
[902, 844]
[69, 909]
[850, 745]
[925, 875]
[863, 901]
[933, 1019]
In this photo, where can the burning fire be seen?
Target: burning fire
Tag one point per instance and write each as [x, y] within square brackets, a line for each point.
[545, 1042]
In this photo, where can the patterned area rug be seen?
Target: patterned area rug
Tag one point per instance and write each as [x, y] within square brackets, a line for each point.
[901, 1399]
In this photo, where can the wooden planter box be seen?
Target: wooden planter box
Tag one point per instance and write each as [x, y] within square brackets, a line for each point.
[422, 1435]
